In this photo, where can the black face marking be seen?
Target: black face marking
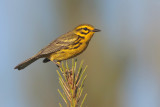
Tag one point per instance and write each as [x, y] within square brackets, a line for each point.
[84, 33]
[85, 28]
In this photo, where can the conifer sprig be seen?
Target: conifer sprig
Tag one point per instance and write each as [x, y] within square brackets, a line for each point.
[71, 81]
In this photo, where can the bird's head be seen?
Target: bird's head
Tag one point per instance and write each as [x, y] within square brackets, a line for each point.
[85, 30]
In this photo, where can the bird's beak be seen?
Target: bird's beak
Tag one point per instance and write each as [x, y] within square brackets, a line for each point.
[96, 30]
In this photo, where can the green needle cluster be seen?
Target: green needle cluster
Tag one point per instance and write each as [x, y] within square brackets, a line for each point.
[72, 81]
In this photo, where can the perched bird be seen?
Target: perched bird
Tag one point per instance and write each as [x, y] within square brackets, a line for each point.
[64, 47]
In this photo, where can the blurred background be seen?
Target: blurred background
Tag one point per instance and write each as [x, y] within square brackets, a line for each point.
[123, 59]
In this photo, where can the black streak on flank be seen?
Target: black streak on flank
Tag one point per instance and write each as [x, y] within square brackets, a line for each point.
[82, 37]
[77, 46]
[77, 42]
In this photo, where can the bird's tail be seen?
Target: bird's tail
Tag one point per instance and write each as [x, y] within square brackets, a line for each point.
[26, 63]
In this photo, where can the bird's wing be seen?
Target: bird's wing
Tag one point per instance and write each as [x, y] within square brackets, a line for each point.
[60, 43]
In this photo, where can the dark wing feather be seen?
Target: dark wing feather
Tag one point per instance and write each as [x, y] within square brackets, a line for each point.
[60, 43]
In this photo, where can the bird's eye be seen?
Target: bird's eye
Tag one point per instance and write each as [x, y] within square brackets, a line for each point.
[85, 28]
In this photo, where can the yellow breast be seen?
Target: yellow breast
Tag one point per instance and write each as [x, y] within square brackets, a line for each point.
[70, 52]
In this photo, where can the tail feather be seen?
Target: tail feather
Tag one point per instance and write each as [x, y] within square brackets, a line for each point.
[26, 63]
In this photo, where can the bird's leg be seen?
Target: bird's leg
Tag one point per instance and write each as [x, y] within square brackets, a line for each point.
[58, 63]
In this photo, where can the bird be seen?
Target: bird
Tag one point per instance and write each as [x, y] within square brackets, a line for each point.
[64, 47]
